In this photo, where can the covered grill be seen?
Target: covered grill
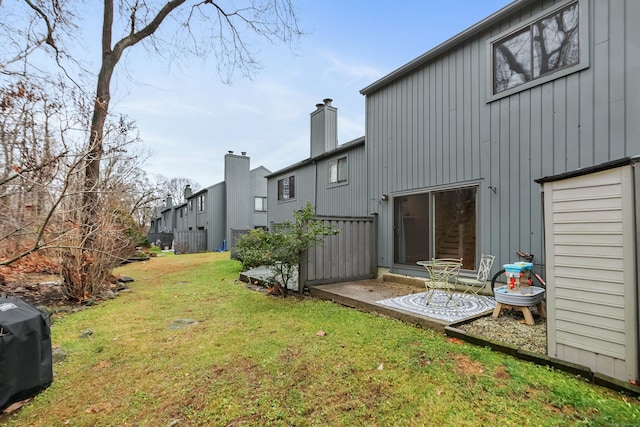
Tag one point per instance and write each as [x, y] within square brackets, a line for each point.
[25, 351]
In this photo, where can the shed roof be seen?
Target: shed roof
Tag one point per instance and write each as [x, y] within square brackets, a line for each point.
[590, 169]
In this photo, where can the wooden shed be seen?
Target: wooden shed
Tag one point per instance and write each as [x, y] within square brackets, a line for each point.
[591, 243]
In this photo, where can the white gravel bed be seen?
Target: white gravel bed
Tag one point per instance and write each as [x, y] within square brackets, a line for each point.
[510, 328]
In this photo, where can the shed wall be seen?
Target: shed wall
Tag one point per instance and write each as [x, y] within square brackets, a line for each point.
[591, 262]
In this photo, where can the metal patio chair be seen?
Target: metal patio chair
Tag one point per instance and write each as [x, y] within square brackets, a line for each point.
[474, 285]
[441, 273]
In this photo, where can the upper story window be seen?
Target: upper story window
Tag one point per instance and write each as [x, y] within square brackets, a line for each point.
[549, 46]
[286, 188]
[260, 204]
[338, 171]
[190, 203]
[201, 203]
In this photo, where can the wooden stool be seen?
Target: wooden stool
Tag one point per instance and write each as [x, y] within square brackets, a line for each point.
[528, 317]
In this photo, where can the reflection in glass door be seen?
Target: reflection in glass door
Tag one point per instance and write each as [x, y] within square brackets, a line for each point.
[440, 224]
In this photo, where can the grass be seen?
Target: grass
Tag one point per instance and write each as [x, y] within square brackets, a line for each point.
[256, 360]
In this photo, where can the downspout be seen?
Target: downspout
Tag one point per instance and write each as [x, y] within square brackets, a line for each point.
[315, 185]
[636, 207]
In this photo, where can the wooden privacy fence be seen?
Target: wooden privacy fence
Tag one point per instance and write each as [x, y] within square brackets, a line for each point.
[189, 241]
[163, 239]
[349, 255]
[236, 233]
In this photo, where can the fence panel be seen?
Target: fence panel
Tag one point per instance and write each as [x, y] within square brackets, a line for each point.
[349, 255]
[161, 239]
[189, 241]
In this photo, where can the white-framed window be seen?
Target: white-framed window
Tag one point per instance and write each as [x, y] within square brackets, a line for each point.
[286, 188]
[338, 171]
[550, 45]
[260, 204]
[201, 203]
[190, 203]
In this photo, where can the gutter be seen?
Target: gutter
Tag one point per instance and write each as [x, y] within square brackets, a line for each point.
[341, 148]
[447, 45]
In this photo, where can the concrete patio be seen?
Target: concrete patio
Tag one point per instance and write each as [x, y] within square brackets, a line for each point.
[365, 295]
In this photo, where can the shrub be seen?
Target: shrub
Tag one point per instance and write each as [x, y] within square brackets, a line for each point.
[253, 248]
[282, 249]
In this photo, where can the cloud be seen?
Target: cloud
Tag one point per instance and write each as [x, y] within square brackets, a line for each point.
[358, 72]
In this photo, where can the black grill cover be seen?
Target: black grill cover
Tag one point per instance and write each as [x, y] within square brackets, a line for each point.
[25, 351]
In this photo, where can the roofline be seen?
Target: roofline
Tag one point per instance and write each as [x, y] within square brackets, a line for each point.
[590, 169]
[344, 147]
[260, 167]
[447, 45]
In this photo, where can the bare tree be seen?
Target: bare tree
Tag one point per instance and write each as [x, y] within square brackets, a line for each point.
[174, 187]
[200, 27]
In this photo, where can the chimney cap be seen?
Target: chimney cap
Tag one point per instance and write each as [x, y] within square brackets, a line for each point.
[230, 151]
[244, 153]
[327, 101]
[319, 106]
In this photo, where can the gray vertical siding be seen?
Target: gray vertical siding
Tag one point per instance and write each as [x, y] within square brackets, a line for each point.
[239, 198]
[349, 199]
[259, 189]
[202, 218]
[324, 130]
[312, 185]
[232, 199]
[192, 213]
[434, 127]
[181, 217]
[279, 211]
[217, 216]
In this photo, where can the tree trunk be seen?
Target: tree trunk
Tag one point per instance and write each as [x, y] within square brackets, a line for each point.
[84, 267]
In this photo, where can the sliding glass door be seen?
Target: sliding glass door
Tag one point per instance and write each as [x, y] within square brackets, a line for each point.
[436, 224]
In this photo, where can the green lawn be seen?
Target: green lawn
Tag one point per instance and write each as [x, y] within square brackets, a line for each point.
[254, 360]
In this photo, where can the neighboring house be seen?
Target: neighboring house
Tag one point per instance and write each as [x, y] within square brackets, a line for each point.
[216, 214]
[333, 178]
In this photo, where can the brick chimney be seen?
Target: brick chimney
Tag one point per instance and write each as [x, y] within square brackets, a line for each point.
[324, 128]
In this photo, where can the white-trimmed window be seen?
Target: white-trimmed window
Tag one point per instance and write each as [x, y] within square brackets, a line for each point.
[190, 203]
[260, 204]
[286, 188]
[338, 171]
[550, 45]
[201, 203]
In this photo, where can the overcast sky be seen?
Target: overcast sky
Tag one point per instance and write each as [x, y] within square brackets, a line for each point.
[190, 119]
